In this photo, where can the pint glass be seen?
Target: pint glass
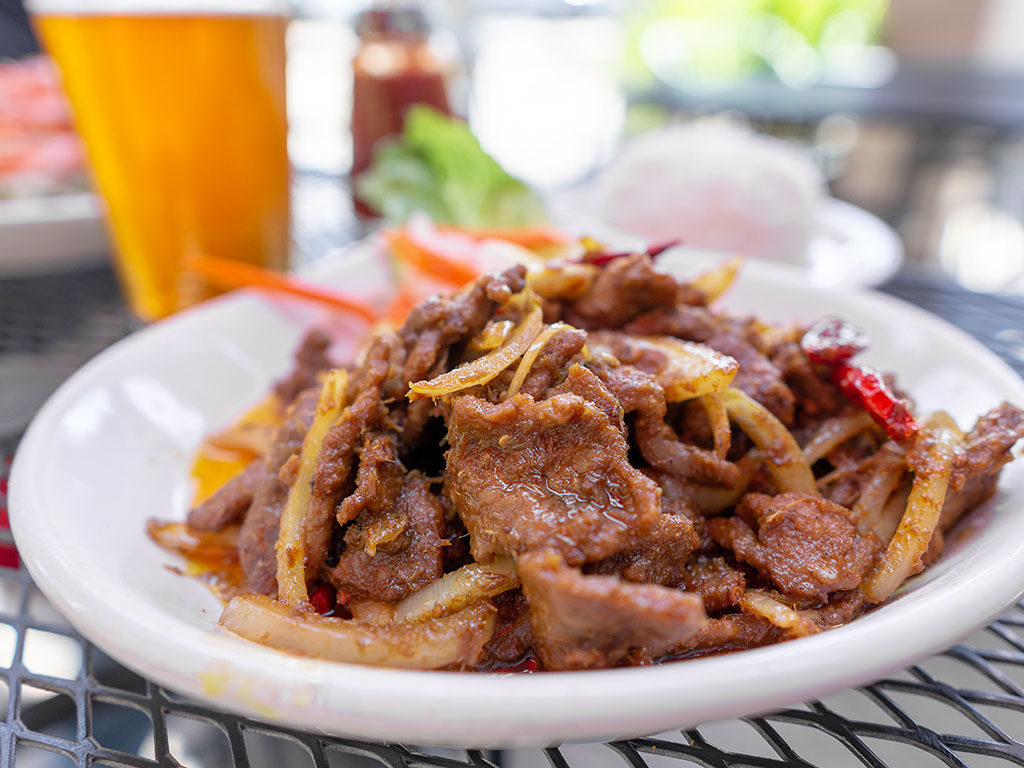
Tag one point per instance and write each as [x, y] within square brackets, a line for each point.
[182, 109]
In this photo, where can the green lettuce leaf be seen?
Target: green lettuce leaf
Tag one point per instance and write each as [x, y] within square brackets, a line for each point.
[438, 167]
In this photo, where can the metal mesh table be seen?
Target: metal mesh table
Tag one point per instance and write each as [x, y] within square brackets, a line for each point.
[66, 703]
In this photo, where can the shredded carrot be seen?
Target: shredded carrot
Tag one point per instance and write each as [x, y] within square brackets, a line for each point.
[401, 304]
[225, 273]
[530, 237]
[429, 255]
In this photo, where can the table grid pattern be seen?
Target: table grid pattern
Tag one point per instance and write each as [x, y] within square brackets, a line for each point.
[962, 708]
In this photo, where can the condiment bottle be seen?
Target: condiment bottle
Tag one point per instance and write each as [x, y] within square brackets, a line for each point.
[394, 68]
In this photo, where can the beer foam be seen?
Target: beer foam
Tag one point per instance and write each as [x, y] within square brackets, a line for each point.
[156, 7]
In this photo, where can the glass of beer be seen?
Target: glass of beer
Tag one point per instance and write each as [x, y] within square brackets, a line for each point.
[182, 109]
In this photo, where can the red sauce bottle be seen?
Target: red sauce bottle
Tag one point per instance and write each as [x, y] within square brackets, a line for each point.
[394, 68]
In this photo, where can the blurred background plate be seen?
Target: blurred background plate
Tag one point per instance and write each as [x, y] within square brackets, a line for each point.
[48, 232]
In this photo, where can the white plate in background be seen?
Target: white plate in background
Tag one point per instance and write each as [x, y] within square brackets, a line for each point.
[852, 248]
[119, 436]
[50, 232]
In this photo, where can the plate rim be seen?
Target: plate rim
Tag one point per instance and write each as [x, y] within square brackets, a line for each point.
[514, 700]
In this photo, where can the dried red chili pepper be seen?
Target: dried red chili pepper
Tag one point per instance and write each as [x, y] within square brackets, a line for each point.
[323, 598]
[833, 340]
[529, 665]
[866, 387]
[601, 258]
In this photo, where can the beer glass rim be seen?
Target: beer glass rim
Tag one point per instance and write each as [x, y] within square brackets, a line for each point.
[156, 7]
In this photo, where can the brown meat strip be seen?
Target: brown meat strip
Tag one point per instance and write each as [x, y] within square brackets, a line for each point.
[805, 544]
[715, 580]
[661, 448]
[333, 469]
[585, 383]
[732, 632]
[590, 622]
[984, 452]
[230, 502]
[757, 376]
[682, 321]
[816, 397]
[659, 557]
[549, 367]
[622, 290]
[513, 635]
[440, 321]
[310, 360]
[407, 563]
[986, 447]
[258, 536]
[526, 475]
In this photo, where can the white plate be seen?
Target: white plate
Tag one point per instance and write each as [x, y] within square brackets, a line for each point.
[112, 448]
[851, 247]
[50, 232]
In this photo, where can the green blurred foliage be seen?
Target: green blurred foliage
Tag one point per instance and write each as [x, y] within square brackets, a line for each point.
[717, 41]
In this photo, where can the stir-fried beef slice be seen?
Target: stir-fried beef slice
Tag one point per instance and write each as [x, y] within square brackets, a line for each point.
[393, 570]
[732, 632]
[661, 448]
[378, 482]
[842, 608]
[333, 469]
[683, 321]
[423, 354]
[805, 544]
[310, 360]
[622, 290]
[440, 321]
[550, 365]
[258, 536]
[692, 423]
[816, 396]
[715, 580]
[659, 557]
[984, 452]
[526, 475]
[757, 376]
[588, 622]
[513, 634]
[987, 446]
[230, 502]
[585, 383]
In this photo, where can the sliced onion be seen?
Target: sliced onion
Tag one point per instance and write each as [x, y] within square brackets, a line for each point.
[492, 336]
[483, 369]
[834, 432]
[565, 281]
[691, 370]
[718, 418]
[371, 611]
[886, 471]
[458, 589]
[781, 615]
[453, 641]
[204, 545]
[715, 282]
[531, 356]
[253, 432]
[903, 556]
[291, 555]
[783, 457]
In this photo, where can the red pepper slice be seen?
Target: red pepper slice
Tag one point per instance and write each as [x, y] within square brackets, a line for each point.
[323, 598]
[865, 387]
[833, 340]
[601, 258]
[528, 665]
